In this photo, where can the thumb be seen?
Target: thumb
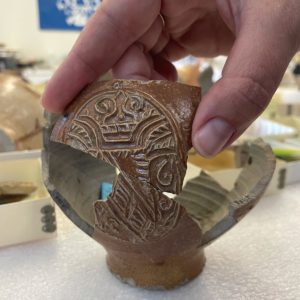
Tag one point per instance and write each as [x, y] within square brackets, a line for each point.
[252, 73]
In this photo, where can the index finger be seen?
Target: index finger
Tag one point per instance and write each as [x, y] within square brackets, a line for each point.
[110, 31]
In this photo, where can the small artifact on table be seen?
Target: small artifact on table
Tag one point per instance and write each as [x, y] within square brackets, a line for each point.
[144, 130]
[14, 191]
[21, 115]
[17, 187]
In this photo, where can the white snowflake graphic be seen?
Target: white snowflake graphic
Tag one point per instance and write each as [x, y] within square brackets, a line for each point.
[77, 12]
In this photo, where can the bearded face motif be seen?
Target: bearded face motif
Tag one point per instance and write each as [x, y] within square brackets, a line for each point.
[133, 131]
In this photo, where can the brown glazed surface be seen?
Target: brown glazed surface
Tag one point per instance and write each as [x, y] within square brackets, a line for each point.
[143, 129]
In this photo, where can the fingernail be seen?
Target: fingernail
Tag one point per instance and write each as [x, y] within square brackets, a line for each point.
[212, 137]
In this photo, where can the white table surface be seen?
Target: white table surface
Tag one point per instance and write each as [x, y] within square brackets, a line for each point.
[258, 259]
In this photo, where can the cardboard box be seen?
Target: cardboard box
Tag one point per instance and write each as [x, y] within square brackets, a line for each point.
[34, 217]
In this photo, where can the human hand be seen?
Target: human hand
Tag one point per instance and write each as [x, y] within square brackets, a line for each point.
[129, 37]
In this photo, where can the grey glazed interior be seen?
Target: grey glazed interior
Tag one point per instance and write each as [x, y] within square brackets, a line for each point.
[77, 177]
[73, 179]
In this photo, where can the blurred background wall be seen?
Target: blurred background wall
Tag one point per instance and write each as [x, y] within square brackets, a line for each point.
[19, 29]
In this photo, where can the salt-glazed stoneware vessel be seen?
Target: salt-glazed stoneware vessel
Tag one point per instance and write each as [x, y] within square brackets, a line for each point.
[143, 129]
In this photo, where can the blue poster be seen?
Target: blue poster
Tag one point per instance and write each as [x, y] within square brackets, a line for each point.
[66, 14]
